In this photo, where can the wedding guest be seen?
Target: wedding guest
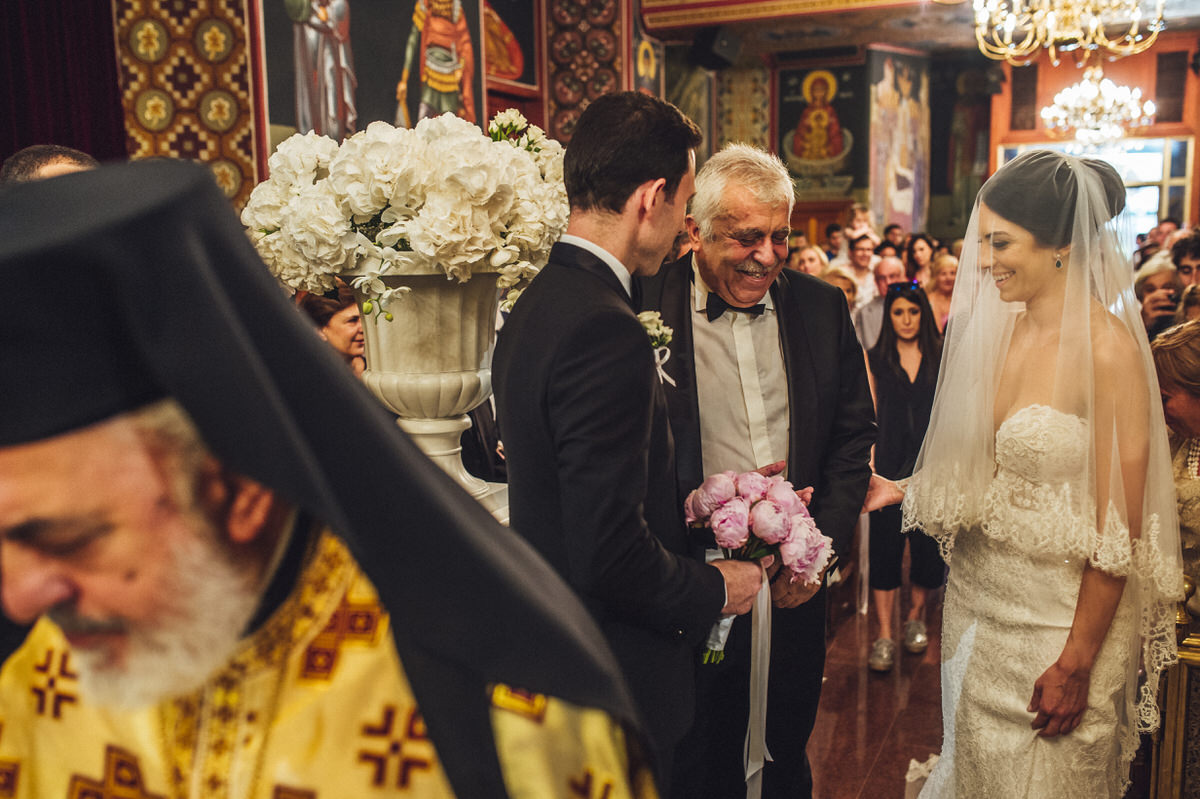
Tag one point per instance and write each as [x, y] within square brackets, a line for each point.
[894, 234]
[834, 239]
[40, 161]
[1185, 254]
[860, 267]
[1189, 304]
[812, 261]
[1177, 358]
[858, 223]
[591, 468]
[904, 370]
[765, 371]
[942, 273]
[868, 319]
[1157, 287]
[836, 276]
[339, 322]
[918, 257]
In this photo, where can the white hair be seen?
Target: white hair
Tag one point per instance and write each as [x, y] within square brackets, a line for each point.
[757, 170]
[213, 594]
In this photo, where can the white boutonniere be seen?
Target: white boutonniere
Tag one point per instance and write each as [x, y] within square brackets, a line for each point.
[660, 339]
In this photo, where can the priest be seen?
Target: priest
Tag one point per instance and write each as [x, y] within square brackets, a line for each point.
[243, 580]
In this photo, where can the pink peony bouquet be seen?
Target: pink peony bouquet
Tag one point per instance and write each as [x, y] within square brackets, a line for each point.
[752, 516]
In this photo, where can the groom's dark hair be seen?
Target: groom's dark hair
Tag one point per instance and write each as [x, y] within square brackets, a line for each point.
[621, 141]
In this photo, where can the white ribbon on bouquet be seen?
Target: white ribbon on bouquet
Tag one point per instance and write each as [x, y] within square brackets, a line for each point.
[756, 754]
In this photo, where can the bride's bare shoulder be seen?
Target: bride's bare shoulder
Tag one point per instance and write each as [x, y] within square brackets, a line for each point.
[1114, 349]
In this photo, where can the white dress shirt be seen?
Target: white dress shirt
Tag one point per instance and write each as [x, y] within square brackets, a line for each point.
[741, 385]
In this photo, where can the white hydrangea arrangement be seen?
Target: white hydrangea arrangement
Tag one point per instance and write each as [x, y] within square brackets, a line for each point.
[441, 196]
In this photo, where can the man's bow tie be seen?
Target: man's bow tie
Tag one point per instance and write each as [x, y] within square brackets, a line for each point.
[717, 306]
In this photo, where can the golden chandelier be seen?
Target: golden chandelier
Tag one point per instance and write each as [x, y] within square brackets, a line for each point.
[1015, 30]
[1097, 110]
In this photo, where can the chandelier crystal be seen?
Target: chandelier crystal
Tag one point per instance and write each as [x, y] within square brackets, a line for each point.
[1015, 30]
[1098, 110]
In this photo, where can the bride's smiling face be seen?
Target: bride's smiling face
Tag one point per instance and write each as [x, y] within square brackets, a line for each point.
[1020, 267]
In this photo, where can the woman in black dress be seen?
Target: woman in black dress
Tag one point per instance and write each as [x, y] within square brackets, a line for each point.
[904, 368]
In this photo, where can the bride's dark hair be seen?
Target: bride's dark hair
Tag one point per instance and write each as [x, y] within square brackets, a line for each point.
[1037, 190]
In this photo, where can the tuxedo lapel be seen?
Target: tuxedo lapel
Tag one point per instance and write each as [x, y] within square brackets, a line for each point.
[801, 378]
[675, 305]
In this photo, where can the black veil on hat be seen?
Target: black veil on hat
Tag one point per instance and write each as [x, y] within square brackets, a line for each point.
[149, 288]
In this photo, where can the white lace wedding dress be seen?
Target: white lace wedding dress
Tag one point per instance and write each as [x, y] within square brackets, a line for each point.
[1010, 601]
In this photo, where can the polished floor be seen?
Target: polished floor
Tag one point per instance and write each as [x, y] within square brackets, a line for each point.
[870, 725]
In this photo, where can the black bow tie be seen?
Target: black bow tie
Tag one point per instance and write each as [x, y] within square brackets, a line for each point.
[717, 306]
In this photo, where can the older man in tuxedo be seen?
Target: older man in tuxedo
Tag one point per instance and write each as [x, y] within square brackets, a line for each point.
[591, 474]
[766, 369]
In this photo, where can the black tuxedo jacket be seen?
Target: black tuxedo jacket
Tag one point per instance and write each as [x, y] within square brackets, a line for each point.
[592, 479]
[832, 425]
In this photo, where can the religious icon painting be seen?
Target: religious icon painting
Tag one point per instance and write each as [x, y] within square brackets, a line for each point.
[900, 148]
[335, 66]
[510, 43]
[822, 131]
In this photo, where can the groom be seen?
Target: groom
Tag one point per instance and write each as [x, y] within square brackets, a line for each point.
[588, 446]
[766, 368]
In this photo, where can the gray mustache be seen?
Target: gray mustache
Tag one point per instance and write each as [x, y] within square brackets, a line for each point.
[71, 623]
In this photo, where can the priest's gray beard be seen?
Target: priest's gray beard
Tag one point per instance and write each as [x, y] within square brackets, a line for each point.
[197, 629]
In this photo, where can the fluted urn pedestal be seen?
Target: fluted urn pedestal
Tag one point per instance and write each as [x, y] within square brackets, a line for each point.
[431, 365]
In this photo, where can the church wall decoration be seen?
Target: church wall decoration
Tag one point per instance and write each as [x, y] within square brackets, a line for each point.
[646, 58]
[823, 132]
[585, 61]
[187, 87]
[438, 42]
[510, 43]
[899, 138]
[692, 90]
[743, 107]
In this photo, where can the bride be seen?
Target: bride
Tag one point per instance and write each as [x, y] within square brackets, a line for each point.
[1046, 481]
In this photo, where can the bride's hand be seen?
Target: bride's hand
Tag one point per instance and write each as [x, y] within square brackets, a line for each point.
[881, 492]
[1059, 699]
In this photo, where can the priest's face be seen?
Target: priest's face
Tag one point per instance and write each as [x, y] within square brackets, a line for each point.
[101, 533]
[748, 247]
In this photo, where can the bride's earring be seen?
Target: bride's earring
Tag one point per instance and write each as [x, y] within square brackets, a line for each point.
[1057, 260]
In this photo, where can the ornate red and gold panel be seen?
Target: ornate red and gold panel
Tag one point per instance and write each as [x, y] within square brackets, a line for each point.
[187, 85]
[744, 107]
[585, 60]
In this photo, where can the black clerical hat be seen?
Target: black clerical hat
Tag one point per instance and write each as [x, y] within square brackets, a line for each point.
[137, 282]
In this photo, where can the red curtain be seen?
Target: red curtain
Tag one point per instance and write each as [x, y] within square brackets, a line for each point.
[58, 77]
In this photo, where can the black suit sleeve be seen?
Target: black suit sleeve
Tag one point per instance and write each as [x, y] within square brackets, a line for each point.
[846, 470]
[601, 399]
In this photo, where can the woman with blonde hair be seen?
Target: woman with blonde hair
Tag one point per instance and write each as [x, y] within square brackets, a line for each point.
[943, 271]
[836, 276]
[810, 260]
[1177, 359]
